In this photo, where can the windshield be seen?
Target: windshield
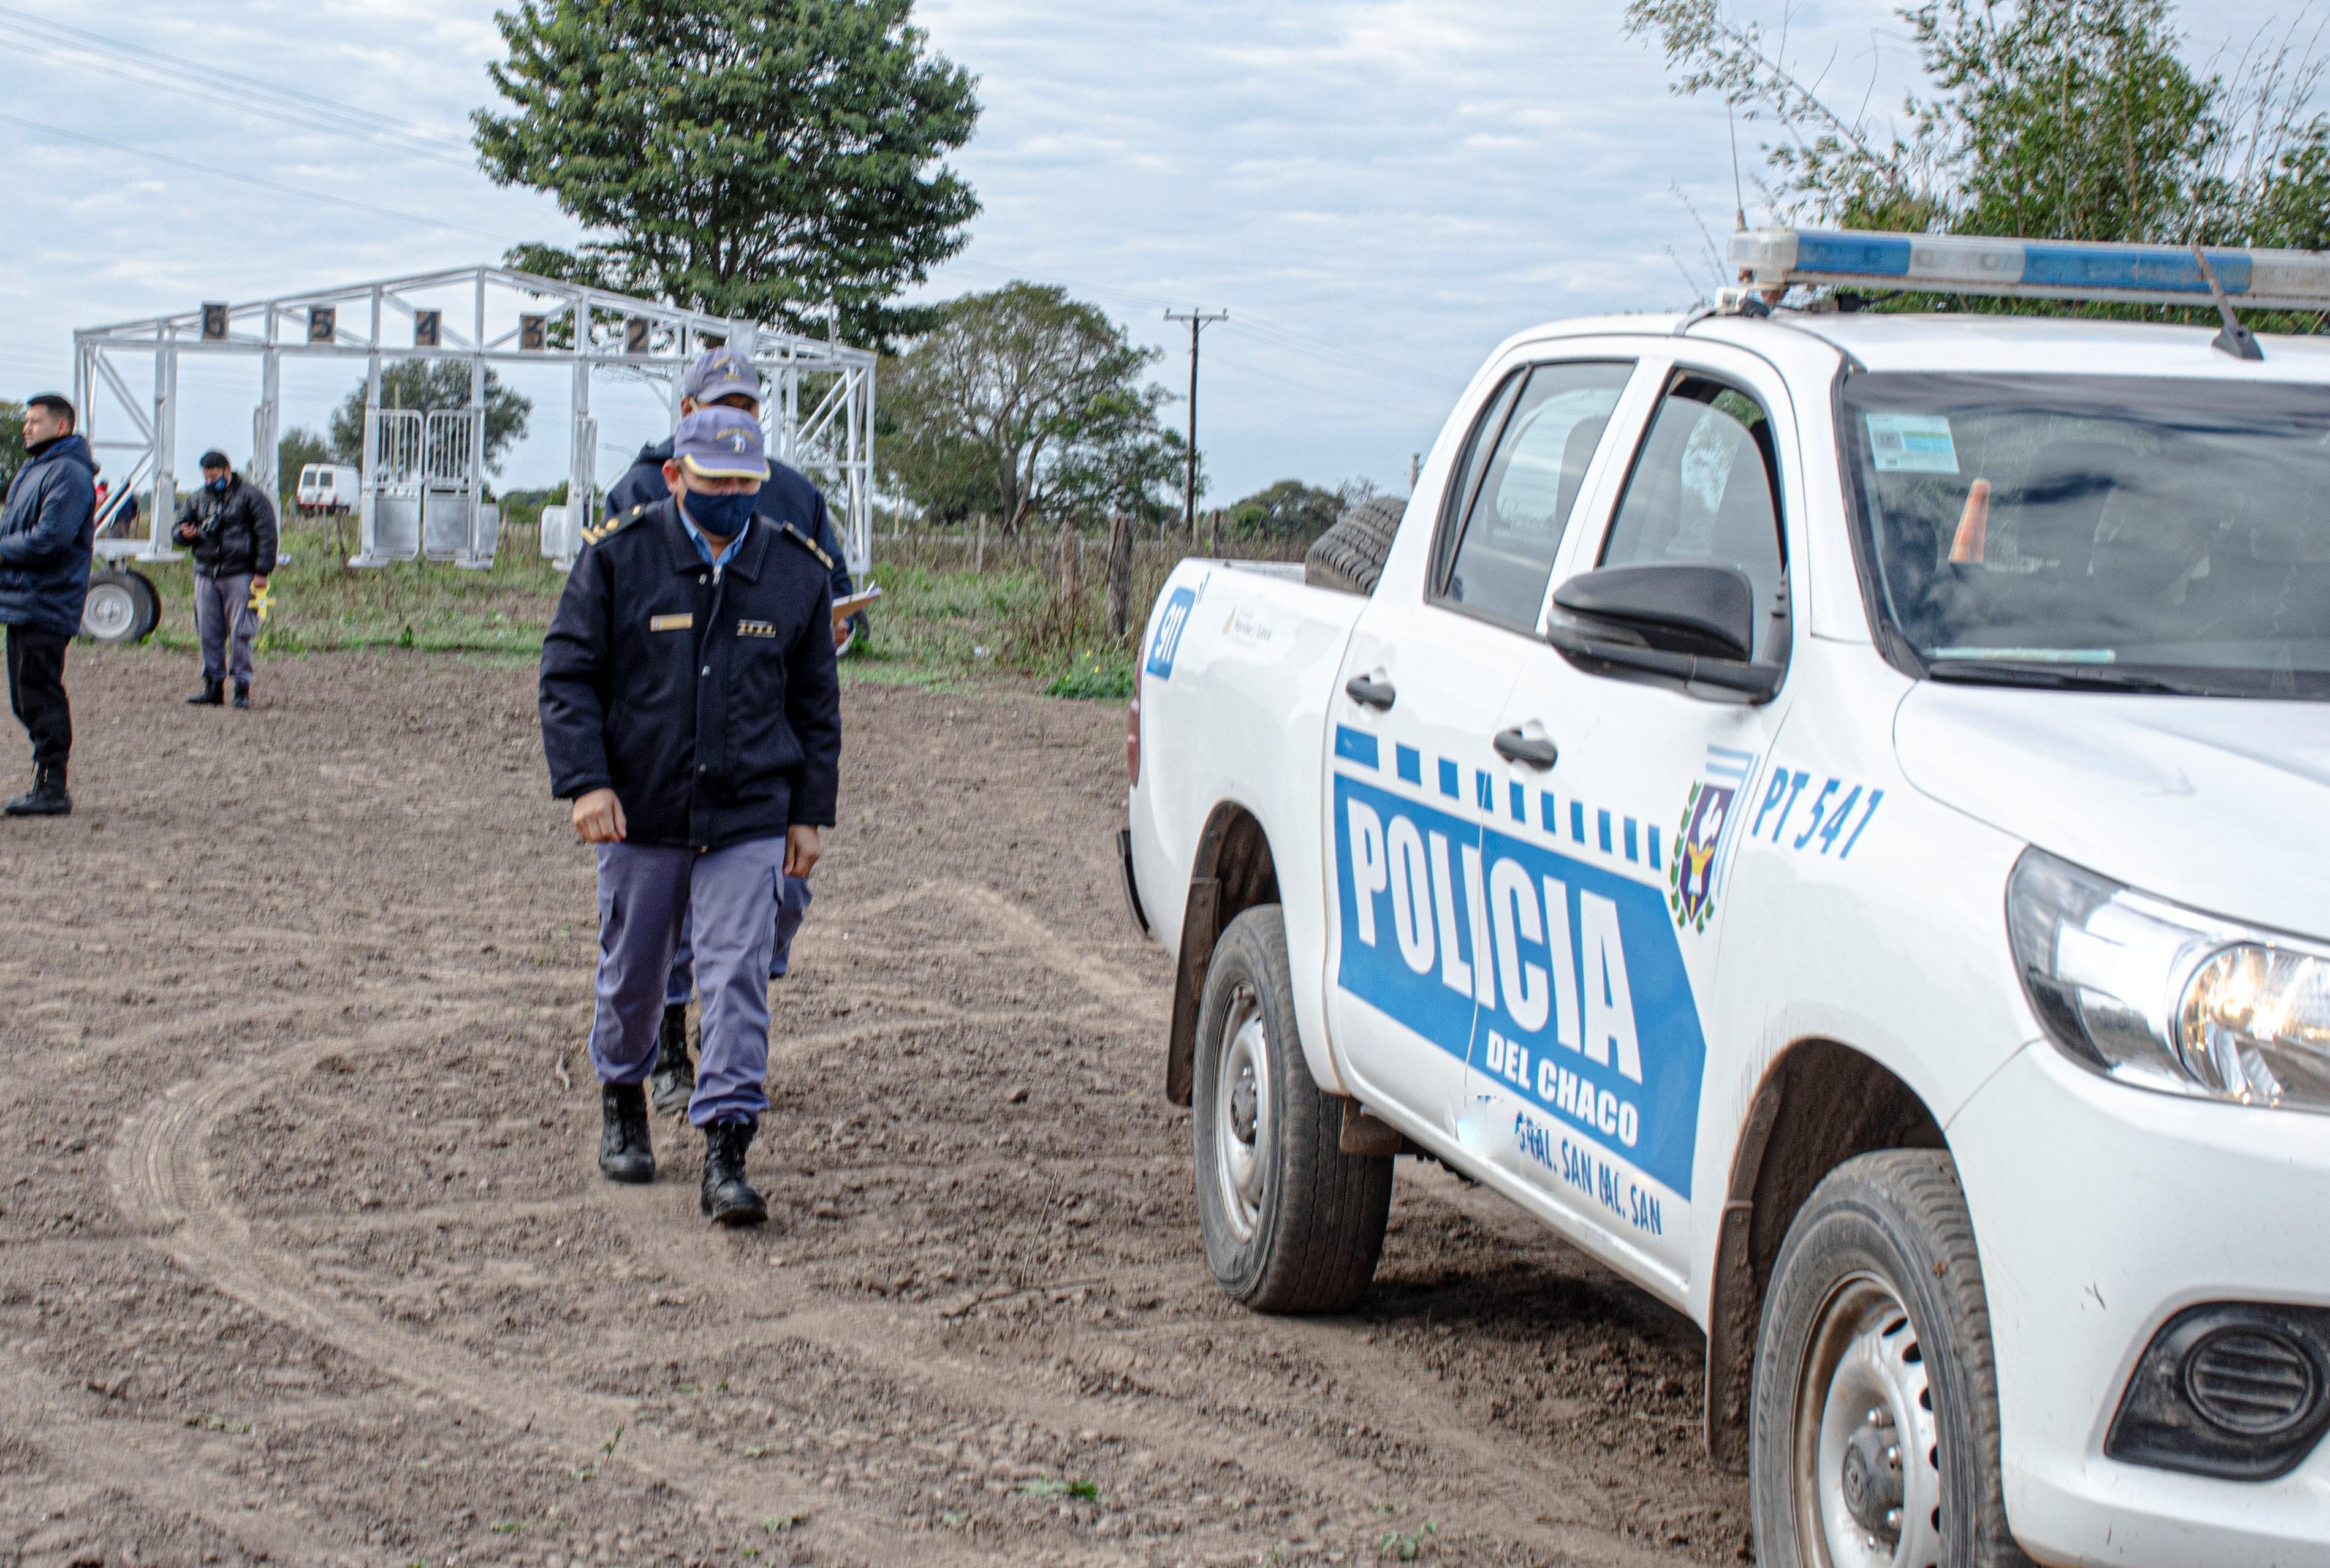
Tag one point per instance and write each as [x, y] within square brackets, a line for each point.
[2138, 532]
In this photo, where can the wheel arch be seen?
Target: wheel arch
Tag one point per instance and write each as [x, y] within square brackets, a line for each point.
[1820, 1103]
[1232, 871]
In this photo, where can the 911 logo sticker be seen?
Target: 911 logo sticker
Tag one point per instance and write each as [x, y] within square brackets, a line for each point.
[1561, 978]
[1170, 625]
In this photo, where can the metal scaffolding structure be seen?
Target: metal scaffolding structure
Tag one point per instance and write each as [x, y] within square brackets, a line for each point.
[422, 475]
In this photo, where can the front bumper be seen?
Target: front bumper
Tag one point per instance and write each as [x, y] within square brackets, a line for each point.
[2101, 1210]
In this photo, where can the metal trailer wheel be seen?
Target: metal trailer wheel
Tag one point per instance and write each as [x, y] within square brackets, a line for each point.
[121, 608]
[1875, 1430]
[1290, 1222]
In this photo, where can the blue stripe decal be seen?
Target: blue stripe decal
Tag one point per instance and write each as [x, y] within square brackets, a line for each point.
[1546, 814]
[1449, 779]
[1577, 820]
[1355, 745]
[1411, 764]
[1630, 840]
[1603, 822]
[1654, 848]
[1884, 258]
[2068, 267]
[1484, 792]
[1516, 800]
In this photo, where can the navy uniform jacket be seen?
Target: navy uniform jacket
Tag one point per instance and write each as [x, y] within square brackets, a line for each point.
[707, 700]
[788, 496]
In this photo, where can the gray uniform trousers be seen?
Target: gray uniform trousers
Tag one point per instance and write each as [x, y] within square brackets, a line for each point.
[221, 602]
[646, 893]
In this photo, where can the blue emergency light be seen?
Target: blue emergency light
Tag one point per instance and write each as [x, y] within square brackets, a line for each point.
[2030, 268]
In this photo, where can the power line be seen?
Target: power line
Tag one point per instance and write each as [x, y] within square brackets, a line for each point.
[1198, 320]
[260, 181]
[147, 76]
[155, 60]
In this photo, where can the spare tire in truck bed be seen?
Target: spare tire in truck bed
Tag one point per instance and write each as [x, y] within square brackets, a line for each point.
[1350, 556]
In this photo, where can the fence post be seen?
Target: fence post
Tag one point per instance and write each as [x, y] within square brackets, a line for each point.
[979, 561]
[1120, 576]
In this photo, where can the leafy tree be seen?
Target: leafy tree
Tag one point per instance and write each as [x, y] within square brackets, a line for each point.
[429, 386]
[1290, 509]
[754, 158]
[12, 443]
[2062, 119]
[1026, 404]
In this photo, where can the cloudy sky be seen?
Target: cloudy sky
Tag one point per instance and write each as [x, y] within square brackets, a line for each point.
[1376, 191]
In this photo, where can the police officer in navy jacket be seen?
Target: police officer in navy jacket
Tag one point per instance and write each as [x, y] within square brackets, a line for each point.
[724, 378]
[691, 710]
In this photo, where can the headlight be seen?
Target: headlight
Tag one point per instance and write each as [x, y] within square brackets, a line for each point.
[2162, 996]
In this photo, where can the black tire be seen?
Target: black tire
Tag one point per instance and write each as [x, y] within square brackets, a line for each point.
[121, 608]
[1350, 556]
[1310, 1239]
[1876, 1310]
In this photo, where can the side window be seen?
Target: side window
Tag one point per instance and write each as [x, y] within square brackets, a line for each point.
[1512, 507]
[1705, 488]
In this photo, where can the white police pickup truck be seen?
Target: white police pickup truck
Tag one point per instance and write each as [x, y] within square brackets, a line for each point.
[1831, 811]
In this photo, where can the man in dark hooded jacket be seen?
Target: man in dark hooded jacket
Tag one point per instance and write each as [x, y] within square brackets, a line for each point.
[45, 529]
[229, 525]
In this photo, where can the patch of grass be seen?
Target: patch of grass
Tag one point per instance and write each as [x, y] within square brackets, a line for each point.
[219, 1423]
[784, 1524]
[1407, 1545]
[1058, 1487]
[1097, 675]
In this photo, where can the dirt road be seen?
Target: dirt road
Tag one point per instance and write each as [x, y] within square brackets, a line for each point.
[304, 1258]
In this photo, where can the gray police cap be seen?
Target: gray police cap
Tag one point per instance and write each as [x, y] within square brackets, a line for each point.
[721, 373]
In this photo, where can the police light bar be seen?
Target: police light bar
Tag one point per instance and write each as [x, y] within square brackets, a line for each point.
[2030, 268]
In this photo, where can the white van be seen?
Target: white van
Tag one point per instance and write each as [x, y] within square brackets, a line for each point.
[327, 487]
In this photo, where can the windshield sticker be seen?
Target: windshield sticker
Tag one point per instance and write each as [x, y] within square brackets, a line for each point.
[1561, 978]
[1911, 443]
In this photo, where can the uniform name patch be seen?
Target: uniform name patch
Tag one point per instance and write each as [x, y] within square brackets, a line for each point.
[671, 622]
[756, 629]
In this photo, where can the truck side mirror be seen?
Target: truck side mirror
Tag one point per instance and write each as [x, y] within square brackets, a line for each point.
[1685, 621]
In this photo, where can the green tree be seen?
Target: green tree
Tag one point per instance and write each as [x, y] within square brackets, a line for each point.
[2060, 120]
[754, 159]
[1290, 509]
[1026, 404]
[429, 386]
[12, 443]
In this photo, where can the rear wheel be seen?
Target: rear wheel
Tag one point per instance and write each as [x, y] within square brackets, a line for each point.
[122, 606]
[1291, 1222]
[1876, 1404]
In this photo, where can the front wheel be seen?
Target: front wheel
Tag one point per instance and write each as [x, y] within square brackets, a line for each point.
[1876, 1404]
[122, 606]
[1291, 1222]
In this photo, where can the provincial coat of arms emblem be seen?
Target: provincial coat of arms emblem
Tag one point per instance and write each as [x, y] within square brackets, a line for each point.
[1690, 875]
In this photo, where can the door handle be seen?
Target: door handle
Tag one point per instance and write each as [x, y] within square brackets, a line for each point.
[1377, 695]
[1531, 751]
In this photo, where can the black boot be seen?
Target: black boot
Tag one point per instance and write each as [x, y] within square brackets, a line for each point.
[212, 695]
[624, 1154]
[242, 694]
[47, 798]
[728, 1197]
[674, 1078]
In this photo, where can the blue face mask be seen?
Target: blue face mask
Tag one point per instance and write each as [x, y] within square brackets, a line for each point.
[721, 516]
[215, 484]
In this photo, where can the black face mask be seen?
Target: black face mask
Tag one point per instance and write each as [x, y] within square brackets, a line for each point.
[722, 516]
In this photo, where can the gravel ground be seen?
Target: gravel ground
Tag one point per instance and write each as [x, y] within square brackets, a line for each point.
[305, 1259]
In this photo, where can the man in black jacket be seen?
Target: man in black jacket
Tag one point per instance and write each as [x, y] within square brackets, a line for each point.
[45, 530]
[230, 525]
[691, 710]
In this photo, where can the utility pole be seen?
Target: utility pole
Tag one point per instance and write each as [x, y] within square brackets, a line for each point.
[1198, 320]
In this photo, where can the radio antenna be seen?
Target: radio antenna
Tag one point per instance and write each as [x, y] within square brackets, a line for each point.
[1738, 201]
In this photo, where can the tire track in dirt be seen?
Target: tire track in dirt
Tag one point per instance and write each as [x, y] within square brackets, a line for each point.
[162, 1179]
